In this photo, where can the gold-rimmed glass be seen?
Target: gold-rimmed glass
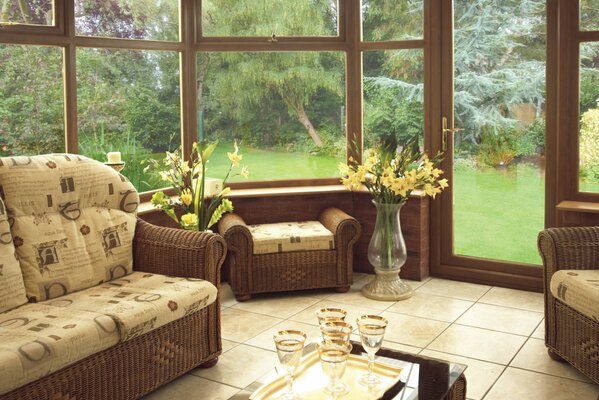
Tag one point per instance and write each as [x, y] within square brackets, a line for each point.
[372, 331]
[336, 330]
[290, 345]
[325, 315]
[333, 359]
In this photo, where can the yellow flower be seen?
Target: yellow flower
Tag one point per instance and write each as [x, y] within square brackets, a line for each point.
[165, 176]
[235, 158]
[186, 197]
[437, 173]
[189, 221]
[225, 191]
[443, 183]
[244, 172]
[344, 169]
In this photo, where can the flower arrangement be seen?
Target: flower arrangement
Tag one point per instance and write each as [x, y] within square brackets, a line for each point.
[391, 175]
[189, 181]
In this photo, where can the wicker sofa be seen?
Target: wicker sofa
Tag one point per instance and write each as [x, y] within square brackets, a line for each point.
[571, 259]
[162, 324]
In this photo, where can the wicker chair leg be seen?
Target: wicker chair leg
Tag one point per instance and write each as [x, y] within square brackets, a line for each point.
[554, 355]
[210, 363]
[342, 289]
[243, 297]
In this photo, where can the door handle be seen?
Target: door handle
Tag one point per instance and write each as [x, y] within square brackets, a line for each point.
[446, 130]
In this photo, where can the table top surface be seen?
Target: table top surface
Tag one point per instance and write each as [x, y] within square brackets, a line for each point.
[422, 378]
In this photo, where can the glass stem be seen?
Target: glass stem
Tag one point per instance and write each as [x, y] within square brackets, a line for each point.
[289, 379]
[370, 364]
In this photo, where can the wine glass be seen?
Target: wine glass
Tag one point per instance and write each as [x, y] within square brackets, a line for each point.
[290, 345]
[336, 330]
[372, 331]
[325, 315]
[333, 359]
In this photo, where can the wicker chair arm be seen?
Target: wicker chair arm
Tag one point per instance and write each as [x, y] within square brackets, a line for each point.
[345, 228]
[178, 252]
[569, 248]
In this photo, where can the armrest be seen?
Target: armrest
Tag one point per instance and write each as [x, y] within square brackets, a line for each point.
[178, 252]
[345, 228]
[236, 233]
[569, 248]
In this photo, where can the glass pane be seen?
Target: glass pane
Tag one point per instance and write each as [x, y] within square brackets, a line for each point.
[589, 15]
[27, 12]
[392, 19]
[128, 19]
[589, 117]
[499, 103]
[128, 101]
[286, 111]
[268, 17]
[31, 100]
[393, 95]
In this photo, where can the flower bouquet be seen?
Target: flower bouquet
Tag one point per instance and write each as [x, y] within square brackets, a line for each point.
[188, 179]
[391, 174]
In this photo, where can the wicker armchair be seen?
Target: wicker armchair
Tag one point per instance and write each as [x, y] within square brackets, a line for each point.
[569, 335]
[138, 366]
[251, 273]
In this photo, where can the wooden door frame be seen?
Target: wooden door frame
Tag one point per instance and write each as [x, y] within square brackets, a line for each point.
[444, 263]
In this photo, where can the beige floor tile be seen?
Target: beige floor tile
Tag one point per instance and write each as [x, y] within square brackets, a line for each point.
[533, 356]
[360, 277]
[193, 387]
[265, 339]
[503, 319]
[525, 300]
[228, 345]
[240, 366]
[455, 289]
[480, 375]
[413, 331]
[277, 305]
[308, 315]
[227, 298]
[516, 383]
[432, 307]
[239, 326]
[416, 284]
[354, 297]
[482, 344]
[539, 333]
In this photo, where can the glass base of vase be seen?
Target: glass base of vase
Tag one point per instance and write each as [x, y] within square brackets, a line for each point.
[387, 286]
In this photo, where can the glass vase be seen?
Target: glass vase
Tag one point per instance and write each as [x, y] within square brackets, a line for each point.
[387, 253]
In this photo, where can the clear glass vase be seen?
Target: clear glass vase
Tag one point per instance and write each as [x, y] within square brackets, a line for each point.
[387, 253]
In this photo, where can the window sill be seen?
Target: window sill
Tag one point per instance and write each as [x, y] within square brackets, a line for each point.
[146, 207]
[578, 206]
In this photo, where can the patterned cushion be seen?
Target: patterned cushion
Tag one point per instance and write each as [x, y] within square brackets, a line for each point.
[579, 289]
[37, 339]
[141, 302]
[12, 290]
[72, 221]
[291, 236]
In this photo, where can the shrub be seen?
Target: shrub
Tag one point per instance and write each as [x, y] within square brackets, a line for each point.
[531, 140]
[496, 149]
[589, 144]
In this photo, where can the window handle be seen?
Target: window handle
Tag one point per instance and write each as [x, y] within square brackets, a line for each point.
[446, 130]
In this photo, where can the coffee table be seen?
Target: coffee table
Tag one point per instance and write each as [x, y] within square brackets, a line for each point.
[422, 378]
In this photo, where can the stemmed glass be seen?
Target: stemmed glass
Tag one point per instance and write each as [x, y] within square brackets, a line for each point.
[333, 359]
[372, 331]
[336, 330]
[290, 345]
[325, 315]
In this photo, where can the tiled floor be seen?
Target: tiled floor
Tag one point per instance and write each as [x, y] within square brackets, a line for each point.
[497, 332]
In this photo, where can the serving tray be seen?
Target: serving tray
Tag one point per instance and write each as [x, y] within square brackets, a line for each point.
[310, 381]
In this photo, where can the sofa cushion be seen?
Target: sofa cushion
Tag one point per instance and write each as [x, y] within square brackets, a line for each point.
[579, 289]
[12, 289]
[291, 236]
[141, 302]
[72, 221]
[38, 339]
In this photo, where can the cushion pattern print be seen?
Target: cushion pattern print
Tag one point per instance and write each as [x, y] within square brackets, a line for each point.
[579, 289]
[72, 221]
[12, 289]
[291, 236]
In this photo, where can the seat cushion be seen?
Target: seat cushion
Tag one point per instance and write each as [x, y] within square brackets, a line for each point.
[579, 289]
[38, 339]
[73, 221]
[12, 289]
[141, 302]
[291, 236]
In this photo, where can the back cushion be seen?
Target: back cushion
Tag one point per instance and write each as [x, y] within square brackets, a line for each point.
[12, 291]
[72, 221]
